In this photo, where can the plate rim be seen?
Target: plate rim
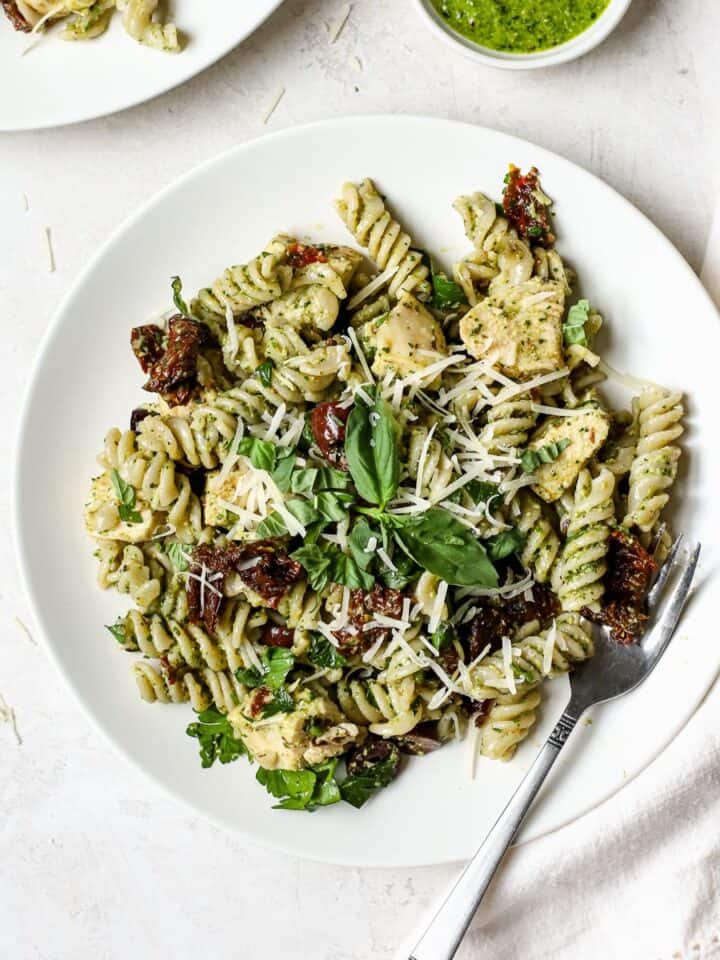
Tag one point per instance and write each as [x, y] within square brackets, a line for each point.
[95, 114]
[299, 850]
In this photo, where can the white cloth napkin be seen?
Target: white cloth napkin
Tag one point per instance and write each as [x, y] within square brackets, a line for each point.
[638, 878]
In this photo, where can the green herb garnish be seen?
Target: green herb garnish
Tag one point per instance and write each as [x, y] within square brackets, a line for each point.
[574, 326]
[216, 737]
[181, 306]
[505, 543]
[442, 545]
[323, 654]
[372, 441]
[532, 459]
[178, 557]
[264, 373]
[126, 495]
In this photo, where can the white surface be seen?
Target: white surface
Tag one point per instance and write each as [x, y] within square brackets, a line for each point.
[254, 185]
[563, 53]
[55, 81]
[97, 863]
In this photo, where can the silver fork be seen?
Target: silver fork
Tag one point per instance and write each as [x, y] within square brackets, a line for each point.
[613, 671]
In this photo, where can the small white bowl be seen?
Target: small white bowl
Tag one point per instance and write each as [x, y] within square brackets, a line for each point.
[570, 50]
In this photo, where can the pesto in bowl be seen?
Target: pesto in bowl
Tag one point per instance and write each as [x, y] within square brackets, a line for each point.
[520, 26]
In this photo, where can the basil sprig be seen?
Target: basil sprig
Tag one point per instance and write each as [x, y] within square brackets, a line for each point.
[126, 495]
[506, 543]
[532, 459]
[328, 564]
[372, 441]
[447, 295]
[439, 543]
[264, 373]
[302, 789]
[279, 462]
[574, 326]
[181, 306]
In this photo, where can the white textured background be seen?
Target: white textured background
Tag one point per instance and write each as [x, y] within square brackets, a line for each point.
[95, 864]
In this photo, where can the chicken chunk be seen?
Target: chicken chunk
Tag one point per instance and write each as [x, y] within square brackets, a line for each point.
[587, 431]
[407, 339]
[518, 327]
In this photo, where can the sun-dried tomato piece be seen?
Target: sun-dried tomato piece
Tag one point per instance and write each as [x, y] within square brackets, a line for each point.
[170, 672]
[148, 345]
[259, 699]
[630, 570]
[482, 712]
[137, 416]
[170, 361]
[301, 254]
[272, 574]
[420, 740]
[275, 635]
[12, 12]
[327, 422]
[500, 618]
[361, 609]
[527, 208]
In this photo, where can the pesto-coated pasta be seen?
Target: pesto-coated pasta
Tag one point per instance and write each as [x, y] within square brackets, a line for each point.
[368, 505]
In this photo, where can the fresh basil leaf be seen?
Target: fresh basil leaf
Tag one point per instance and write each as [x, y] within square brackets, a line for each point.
[118, 631]
[442, 545]
[307, 437]
[530, 460]
[264, 373]
[406, 570]
[126, 496]
[360, 535]
[274, 525]
[180, 305]
[481, 490]
[282, 702]
[178, 557]
[284, 466]
[574, 326]
[249, 677]
[262, 453]
[323, 654]
[332, 505]
[216, 738]
[315, 479]
[358, 788]
[316, 562]
[443, 636]
[372, 439]
[505, 543]
[345, 571]
[313, 532]
[447, 295]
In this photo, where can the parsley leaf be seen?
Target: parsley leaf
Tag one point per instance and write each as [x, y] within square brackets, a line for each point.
[532, 459]
[357, 788]
[264, 373]
[302, 789]
[323, 654]
[505, 543]
[574, 326]
[277, 664]
[126, 495]
[282, 702]
[216, 737]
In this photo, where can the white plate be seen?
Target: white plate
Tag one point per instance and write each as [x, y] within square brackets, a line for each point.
[60, 82]
[661, 325]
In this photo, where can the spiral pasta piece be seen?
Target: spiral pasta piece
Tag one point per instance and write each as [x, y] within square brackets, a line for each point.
[252, 284]
[195, 439]
[509, 425]
[437, 469]
[509, 721]
[387, 709]
[200, 688]
[578, 576]
[653, 471]
[569, 641]
[541, 541]
[364, 213]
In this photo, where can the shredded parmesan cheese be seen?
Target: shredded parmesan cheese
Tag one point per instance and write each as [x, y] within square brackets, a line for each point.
[273, 105]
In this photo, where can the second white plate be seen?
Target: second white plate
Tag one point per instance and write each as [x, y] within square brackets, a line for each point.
[660, 325]
[59, 82]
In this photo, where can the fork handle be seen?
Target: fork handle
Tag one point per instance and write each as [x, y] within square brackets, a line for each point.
[446, 930]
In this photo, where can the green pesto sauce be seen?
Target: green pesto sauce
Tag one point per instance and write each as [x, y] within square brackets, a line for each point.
[520, 26]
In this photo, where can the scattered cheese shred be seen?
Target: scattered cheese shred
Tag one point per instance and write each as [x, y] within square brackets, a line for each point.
[437, 607]
[507, 665]
[50, 251]
[549, 648]
[337, 28]
[369, 289]
[280, 93]
[26, 630]
[7, 715]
